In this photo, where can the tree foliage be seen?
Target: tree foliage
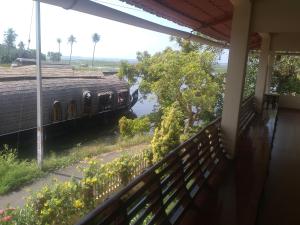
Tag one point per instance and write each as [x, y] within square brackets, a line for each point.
[58, 40]
[251, 74]
[286, 75]
[96, 39]
[177, 76]
[54, 56]
[10, 38]
[71, 41]
[9, 52]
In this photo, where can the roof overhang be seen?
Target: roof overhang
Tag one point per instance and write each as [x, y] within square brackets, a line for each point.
[209, 17]
[97, 9]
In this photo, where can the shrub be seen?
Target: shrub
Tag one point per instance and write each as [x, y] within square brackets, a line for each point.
[124, 168]
[64, 203]
[125, 127]
[129, 127]
[15, 172]
[167, 136]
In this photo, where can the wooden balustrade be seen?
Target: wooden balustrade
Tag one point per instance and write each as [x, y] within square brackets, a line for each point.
[247, 113]
[271, 99]
[163, 193]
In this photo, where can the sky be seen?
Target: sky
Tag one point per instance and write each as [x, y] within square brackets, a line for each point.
[117, 40]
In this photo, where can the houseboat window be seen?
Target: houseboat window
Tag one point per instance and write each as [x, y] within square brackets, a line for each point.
[87, 102]
[105, 101]
[122, 97]
[71, 110]
[56, 112]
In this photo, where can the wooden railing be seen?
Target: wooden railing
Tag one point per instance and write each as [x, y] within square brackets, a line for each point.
[247, 113]
[164, 192]
[271, 99]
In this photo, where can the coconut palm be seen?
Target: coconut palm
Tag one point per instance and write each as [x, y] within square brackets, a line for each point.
[96, 39]
[59, 42]
[71, 40]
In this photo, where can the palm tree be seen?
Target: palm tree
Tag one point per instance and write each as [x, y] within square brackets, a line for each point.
[59, 42]
[96, 39]
[71, 40]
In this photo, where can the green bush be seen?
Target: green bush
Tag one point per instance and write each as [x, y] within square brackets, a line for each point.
[167, 136]
[125, 127]
[15, 172]
[64, 203]
[131, 127]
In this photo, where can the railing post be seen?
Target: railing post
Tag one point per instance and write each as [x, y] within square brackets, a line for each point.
[270, 71]
[262, 72]
[236, 73]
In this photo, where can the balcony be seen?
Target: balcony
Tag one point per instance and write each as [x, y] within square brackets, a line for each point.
[222, 175]
[197, 182]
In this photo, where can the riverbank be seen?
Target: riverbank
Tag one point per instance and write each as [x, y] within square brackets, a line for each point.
[17, 198]
[17, 173]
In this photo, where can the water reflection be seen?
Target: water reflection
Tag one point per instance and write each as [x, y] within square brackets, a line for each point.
[143, 106]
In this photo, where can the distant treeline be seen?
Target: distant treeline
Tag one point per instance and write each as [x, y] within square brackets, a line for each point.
[9, 51]
[9, 54]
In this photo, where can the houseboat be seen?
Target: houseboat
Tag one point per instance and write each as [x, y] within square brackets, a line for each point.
[68, 94]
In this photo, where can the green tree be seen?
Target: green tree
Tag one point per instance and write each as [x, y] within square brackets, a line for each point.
[54, 56]
[21, 46]
[167, 135]
[251, 74]
[129, 71]
[10, 38]
[286, 74]
[71, 41]
[187, 78]
[96, 39]
[58, 40]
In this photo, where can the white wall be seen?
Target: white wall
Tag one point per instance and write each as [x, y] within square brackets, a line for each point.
[289, 101]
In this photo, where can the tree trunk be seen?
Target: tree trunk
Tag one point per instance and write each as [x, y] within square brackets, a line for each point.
[71, 54]
[93, 55]
[59, 50]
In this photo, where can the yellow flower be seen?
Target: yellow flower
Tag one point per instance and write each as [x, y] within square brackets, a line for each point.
[92, 162]
[40, 195]
[94, 180]
[67, 185]
[78, 204]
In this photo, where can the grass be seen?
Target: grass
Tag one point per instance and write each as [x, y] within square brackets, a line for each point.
[15, 173]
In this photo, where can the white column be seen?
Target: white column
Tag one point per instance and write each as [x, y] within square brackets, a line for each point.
[270, 71]
[261, 79]
[236, 73]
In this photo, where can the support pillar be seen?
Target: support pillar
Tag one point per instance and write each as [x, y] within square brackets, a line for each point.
[270, 71]
[262, 75]
[235, 79]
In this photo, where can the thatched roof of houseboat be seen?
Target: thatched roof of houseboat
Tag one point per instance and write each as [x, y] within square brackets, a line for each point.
[48, 71]
[22, 79]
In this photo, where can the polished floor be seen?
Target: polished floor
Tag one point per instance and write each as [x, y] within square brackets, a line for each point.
[280, 204]
[237, 199]
[261, 186]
